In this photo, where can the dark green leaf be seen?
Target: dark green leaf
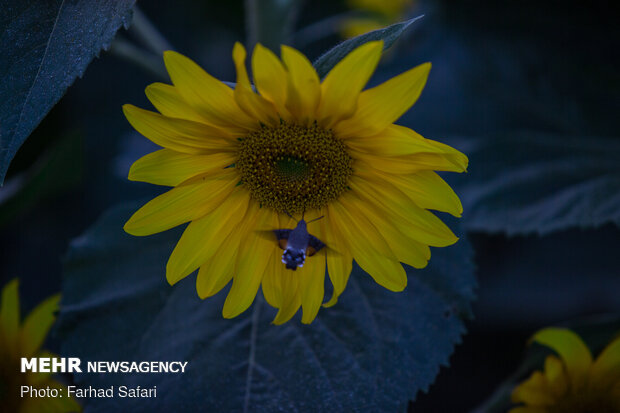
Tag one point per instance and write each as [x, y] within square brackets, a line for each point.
[58, 170]
[389, 35]
[373, 351]
[45, 46]
[596, 332]
[540, 183]
[532, 281]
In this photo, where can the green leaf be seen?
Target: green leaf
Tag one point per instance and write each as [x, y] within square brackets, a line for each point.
[270, 22]
[539, 183]
[58, 170]
[45, 46]
[372, 351]
[596, 332]
[389, 35]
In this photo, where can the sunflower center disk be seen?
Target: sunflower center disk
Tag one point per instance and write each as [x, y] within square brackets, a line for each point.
[294, 168]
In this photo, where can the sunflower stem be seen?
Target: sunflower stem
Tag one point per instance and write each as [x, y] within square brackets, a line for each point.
[146, 60]
[148, 34]
[270, 22]
[251, 23]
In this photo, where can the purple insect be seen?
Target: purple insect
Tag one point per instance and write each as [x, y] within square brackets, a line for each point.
[297, 244]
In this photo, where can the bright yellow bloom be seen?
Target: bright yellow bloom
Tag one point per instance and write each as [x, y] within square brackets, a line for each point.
[572, 383]
[379, 13]
[240, 160]
[24, 340]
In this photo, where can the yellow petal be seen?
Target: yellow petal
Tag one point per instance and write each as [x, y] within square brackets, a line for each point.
[37, 325]
[170, 168]
[338, 268]
[606, 368]
[169, 102]
[425, 188]
[211, 98]
[405, 248]
[253, 104]
[429, 191]
[399, 141]
[269, 78]
[311, 286]
[382, 105]
[415, 222]
[341, 87]
[202, 237]
[571, 349]
[458, 160]
[178, 134]
[254, 255]
[303, 85]
[182, 204]
[534, 391]
[220, 268]
[395, 140]
[9, 313]
[410, 163]
[369, 249]
[556, 376]
[291, 298]
[339, 259]
[271, 285]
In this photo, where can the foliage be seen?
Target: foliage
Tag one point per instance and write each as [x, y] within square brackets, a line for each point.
[389, 35]
[118, 306]
[36, 70]
[532, 182]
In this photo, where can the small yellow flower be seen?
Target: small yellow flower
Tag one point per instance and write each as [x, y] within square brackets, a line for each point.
[572, 383]
[378, 14]
[24, 340]
[240, 161]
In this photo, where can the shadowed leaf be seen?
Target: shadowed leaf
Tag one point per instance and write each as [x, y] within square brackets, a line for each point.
[45, 46]
[539, 183]
[389, 35]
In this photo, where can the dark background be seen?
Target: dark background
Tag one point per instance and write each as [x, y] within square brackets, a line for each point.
[498, 67]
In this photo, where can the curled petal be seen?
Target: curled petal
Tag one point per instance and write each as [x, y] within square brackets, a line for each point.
[574, 353]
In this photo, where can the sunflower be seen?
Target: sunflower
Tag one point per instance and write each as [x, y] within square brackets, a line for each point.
[572, 383]
[17, 341]
[243, 161]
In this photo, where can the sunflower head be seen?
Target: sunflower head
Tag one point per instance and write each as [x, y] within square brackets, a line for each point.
[19, 340]
[571, 382]
[243, 161]
[293, 168]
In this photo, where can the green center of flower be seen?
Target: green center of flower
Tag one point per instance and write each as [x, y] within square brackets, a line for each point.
[294, 168]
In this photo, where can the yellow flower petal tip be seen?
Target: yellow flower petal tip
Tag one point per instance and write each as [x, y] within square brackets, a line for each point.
[240, 160]
[132, 229]
[23, 339]
[573, 381]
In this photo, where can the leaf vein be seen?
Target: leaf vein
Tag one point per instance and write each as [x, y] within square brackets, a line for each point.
[34, 81]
